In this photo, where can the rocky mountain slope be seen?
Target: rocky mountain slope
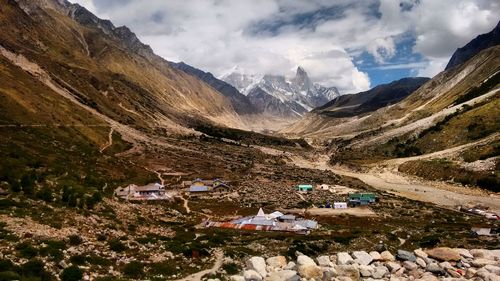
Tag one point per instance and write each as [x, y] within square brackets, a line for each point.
[456, 108]
[241, 103]
[478, 44]
[277, 96]
[127, 80]
[380, 96]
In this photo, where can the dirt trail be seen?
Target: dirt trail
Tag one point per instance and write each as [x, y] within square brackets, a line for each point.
[110, 140]
[451, 196]
[219, 257]
[443, 153]
[186, 206]
[421, 123]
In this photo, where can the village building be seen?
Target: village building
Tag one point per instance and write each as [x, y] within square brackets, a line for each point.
[339, 205]
[323, 187]
[201, 186]
[356, 199]
[304, 187]
[152, 191]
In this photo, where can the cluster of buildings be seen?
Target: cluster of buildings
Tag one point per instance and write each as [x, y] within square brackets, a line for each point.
[152, 191]
[354, 199]
[275, 221]
[156, 191]
[201, 186]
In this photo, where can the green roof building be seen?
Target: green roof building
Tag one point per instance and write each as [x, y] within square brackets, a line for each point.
[304, 187]
[362, 198]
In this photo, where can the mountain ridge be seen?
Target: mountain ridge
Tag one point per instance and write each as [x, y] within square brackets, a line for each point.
[481, 42]
[291, 98]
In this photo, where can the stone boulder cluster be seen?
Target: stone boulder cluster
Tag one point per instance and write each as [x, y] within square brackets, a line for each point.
[426, 265]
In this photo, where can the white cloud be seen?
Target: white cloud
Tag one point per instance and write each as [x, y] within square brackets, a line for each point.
[432, 67]
[216, 35]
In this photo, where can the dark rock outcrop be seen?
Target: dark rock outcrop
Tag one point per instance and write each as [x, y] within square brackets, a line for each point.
[475, 46]
[378, 97]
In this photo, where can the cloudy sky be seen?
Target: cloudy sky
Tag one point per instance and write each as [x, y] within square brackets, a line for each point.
[353, 45]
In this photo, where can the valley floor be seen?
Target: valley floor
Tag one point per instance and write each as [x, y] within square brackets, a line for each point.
[385, 177]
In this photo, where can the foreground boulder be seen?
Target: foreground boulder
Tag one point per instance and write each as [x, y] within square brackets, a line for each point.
[257, 264]
[283, 275]
[444, 254]
[307, 268]
[434, 264]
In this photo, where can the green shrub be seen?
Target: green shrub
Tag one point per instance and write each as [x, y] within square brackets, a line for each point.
[34, 268]
[45, 194]
[72, 273]
[77, 259]
[231, 268]
[133, 269]
[6, 265]
[9, 275]
[165, 268]
[26, 250]
[116, 245]
[97, 260]
[75, 240]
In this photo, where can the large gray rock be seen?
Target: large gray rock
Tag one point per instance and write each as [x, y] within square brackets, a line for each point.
[393, 266]
[290, 265]
[252, 275]
[406, 256]
[434, 268]
[283, 275]
[344, 258]
[480, 262]
[329, 273]
[257, 264]
[362, 257]
[486, 254]
[464, 253]
[324, 261]
[276, 262]
[366, 270]
[493, 269]
[410, 265]
[486, 275]
[348, 271]
[427, 277]
[380, 272]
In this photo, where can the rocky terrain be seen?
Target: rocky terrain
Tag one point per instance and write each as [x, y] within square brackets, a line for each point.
[429, 264]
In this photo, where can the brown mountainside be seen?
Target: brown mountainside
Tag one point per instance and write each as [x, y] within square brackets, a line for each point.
[107, 68]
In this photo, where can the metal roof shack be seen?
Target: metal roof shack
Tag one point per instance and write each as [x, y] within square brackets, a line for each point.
[198, 188]
[275, 221]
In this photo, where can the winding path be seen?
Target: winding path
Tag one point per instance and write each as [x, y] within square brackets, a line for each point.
[219, 257]
[110, 141]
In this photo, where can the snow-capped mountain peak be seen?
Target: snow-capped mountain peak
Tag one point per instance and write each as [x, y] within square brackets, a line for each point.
[277, 95]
